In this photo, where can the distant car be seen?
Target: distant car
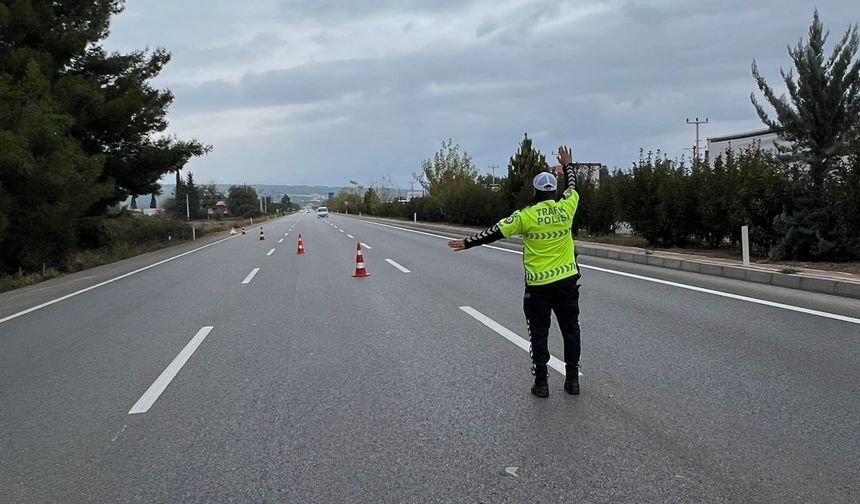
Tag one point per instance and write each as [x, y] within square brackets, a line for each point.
[322, 212]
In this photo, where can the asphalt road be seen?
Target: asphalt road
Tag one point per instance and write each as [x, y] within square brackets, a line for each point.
[196, 381]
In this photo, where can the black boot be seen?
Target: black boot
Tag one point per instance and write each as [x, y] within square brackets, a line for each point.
[571, 380]
[541, 387]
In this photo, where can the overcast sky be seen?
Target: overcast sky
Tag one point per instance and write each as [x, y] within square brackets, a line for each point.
[321, 92]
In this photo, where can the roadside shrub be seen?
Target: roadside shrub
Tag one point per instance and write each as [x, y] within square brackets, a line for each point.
[128, 229]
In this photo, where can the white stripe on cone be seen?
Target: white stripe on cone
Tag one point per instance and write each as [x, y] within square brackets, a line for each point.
[360, 269]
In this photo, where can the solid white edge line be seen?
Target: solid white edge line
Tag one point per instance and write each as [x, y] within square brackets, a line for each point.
[109, 281]
[410, 230]
[397, 265]
[729, 295]
[764, 302]
[511, 336]
[270, 252]
[250, 276]
[364, 245]
[160, 384]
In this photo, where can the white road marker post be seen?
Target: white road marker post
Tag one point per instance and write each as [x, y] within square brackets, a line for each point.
[415, 217]
[745, 244]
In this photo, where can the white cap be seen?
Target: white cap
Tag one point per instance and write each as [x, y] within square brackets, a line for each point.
[544, 181]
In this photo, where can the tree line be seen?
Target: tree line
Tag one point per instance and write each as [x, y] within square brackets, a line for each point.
[81, 129]
[192, 201]
[801, 201]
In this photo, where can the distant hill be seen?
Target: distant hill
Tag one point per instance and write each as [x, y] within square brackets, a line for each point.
[299, 194]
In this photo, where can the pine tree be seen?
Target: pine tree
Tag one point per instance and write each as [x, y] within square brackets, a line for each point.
[820, 121]
[80, 129]
[46, 181]
[523, 166]
[193, 192]
[175, 207]
[115, 111]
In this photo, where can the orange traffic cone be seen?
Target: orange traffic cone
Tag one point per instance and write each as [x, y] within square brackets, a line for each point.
[243, 230]
[360, 270]
[301, 249]
[262, 237]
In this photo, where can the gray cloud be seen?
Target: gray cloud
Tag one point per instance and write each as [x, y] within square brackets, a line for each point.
[607, 76]
[340, 9]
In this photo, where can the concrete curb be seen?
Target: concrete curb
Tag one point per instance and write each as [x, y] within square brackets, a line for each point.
[798, 281]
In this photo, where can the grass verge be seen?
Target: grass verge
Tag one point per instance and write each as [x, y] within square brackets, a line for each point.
[126, 243]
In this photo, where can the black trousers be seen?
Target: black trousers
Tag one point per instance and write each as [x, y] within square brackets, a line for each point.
[539, 302]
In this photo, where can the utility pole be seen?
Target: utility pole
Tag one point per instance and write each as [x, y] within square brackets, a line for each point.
[493, 168]
[188, 214]
[411, 190]
[697, 122]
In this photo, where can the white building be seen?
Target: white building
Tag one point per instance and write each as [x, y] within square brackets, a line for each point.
[764, 138]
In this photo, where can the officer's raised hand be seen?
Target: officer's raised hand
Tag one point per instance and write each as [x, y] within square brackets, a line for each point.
[565, 157]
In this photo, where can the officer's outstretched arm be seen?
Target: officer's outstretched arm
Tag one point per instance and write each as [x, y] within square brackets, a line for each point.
[488, 235]
[505, 228]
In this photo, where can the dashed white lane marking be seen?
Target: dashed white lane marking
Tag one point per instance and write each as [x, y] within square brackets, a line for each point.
[368, 247]
[511, 336]
[250, 276]
[398, 266]
[270, 252]
[281, 240]
[157, 388]
[341, 230]
[349, 235]
[764, 302]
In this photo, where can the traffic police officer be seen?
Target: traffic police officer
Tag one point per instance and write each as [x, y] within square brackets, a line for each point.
[551, 272]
